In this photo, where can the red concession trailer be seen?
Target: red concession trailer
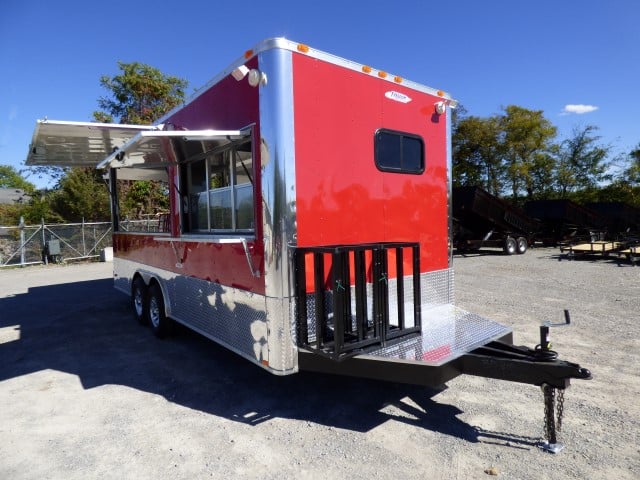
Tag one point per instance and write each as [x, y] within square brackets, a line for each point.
[309, 222]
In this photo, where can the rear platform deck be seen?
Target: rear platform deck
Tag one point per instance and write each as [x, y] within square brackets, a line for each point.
[426, 358]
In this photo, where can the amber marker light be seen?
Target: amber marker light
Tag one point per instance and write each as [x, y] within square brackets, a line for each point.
[397, 79]
[440, 93]
[248, 54]
[303, 48]
[366, 69]
[382, 74]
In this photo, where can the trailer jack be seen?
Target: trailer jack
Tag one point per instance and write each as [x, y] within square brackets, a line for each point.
[539, 366]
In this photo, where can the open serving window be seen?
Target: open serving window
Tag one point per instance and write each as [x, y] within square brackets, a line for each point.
[215, 171]
[213, 175]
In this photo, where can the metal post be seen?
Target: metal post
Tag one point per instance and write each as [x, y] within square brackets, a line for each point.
[84, 245]
[113, 191]
[361, 294]
[45, 258]
[339, 301]
[22, 251]
[318, 288]
[545, 344]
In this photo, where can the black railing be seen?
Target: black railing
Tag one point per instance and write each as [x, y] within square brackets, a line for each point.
[343, 308]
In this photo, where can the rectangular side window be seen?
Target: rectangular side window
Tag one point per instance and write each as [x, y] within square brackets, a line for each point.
[219, 189]
[398, 152]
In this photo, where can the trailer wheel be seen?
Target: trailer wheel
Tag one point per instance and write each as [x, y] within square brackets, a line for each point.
[510, 246]
[138, 300]
[522, 245]
[160, 324]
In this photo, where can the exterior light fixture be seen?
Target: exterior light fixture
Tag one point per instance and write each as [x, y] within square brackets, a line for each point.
[240, 72]
[256, 77]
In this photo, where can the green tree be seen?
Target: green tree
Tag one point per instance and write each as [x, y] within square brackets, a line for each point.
[527, 141]
[582, 162]
[40, 208]
[141, 94]
[632, 173]
[11, 178]
[478, 154]
[541, 174]
[626, 187]
[81, 194]
[142, 198]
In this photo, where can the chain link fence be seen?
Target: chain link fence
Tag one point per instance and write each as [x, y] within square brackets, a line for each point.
[37, 244]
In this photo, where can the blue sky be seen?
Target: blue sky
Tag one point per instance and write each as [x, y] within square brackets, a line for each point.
[543, 55]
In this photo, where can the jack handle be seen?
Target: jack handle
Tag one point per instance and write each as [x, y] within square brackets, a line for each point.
[544, 348]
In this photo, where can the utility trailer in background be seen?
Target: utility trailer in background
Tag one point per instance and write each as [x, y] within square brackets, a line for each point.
[621, 233]
[308, 224]
[484, 220]
[631, 253]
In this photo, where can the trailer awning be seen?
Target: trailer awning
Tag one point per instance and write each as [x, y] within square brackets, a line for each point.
[92, 144]
[78, 144]
[152, 148]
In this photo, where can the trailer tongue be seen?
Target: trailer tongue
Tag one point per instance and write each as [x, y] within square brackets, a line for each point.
[307, 224]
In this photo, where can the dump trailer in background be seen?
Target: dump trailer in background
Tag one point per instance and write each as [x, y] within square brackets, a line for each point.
[564, 222]
[308, 225]
[621, 219]
[484, 220]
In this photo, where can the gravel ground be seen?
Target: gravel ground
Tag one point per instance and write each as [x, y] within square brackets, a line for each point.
[85, 392]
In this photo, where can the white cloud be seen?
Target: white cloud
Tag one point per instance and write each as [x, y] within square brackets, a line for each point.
[578, 109]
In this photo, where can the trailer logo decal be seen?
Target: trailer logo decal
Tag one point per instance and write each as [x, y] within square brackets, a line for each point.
[397, 96]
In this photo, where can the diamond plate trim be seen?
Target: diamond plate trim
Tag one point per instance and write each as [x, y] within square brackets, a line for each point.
[254, 326]
[448, 332]
[436, 289]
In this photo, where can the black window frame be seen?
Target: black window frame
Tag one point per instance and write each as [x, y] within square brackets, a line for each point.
[191, 211]
[383, 167]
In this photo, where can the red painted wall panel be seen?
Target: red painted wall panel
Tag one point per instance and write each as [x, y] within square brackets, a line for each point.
[221, 263]
[342, 198]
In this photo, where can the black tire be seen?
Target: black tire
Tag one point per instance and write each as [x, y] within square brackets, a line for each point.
[158, 321]
[139, 296]
[521, 245]
[510, 246]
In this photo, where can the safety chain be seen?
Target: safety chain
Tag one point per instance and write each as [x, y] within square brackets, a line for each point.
[551, 424]
[560, 410]
[548, 391]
